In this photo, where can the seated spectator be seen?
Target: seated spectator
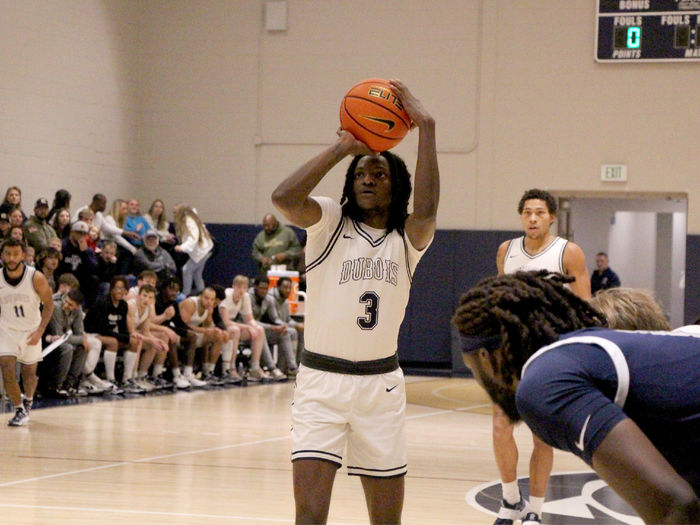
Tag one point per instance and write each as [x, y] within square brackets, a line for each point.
[106, 267]
[276, 331]
[61, 200]
[93, 239]
[276, 244]
[196, 242]
[65, 284]
[135, 222]
[60, 371]
[158, 221]
[280, 295]
[110, 321]
[61, 223]
[237, 315]
[196, 312]
[13, 199]
[47, 262]
[97, 206]
[4, 225]
[86, 215]
[603, 277]
[168, 317]
[29, 256]
[79, 260]
[148, 277]
[17, 217]
[17, 232]
[37, 230]
[154, 347]
[113, 230]
[229, 374]
[152, 257]
[56, 244]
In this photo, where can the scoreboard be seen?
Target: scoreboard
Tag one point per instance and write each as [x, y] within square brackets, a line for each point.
[648, 31]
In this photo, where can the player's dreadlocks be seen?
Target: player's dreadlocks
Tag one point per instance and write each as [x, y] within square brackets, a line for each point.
[528, 310]
[400, 192]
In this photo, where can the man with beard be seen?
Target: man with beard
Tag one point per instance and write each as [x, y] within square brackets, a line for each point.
[25, 311]
[537, 249]
[626, 402]
[37, 231]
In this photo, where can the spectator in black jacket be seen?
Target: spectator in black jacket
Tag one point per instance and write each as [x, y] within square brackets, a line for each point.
[79, 260]
[603, 277]
[150, 256]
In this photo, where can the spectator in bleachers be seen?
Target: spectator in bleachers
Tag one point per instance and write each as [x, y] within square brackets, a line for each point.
[148, 277]
[113, 230]
[79, 260]
[276, 331]
[56, 244]
[47, 262]
[237, 314]
[135, 222]
[280, 294]
[60, 370]
[110, 321]
[17, 217]
[151, 256]
[196, 311]
[4, 225]
[37, 230]
[142, 308]
[93, 239]
[29, 256]
[17, 232]
[157, 219]
[65, 284]
[276, 244]
[61, 223]
[97, 206]
[61, 200]
[13, 199]
[106, 267]
[168, 316]
[196, 242]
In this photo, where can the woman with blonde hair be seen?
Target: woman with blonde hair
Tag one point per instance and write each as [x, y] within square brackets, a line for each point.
[156, 218]
[113, 230]
[13, 199]
[630, 309]
[196, 242]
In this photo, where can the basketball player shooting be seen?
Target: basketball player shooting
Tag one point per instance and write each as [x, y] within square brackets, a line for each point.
[361, 255]
[22, 291]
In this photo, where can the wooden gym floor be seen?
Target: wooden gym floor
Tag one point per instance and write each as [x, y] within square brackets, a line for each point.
[222, 456]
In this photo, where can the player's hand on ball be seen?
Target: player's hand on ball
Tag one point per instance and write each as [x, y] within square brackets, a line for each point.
[355, 147]
[411, 104]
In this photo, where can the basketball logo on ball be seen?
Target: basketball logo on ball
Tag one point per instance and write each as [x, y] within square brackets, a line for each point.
[373, 113]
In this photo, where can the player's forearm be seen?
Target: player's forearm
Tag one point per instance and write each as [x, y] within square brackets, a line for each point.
[292, 191]
[427, 180]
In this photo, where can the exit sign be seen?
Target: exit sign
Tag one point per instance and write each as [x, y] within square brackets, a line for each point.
[613, 173]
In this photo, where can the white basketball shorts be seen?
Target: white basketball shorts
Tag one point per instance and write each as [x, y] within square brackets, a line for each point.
[14, 343]
[366, 413]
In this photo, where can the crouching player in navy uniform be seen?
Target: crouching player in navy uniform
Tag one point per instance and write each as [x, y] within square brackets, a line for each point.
[360, 259]
[626, 402]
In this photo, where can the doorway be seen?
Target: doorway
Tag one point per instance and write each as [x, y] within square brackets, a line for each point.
[644, 235]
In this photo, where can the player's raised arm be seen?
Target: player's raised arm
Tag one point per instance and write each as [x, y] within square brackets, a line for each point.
[291, 197]
[420, 225]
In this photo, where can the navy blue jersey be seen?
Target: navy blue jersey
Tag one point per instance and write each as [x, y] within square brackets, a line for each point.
[573, 392]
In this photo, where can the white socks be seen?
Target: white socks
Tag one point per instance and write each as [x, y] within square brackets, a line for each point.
[110, 362]
[511, 492]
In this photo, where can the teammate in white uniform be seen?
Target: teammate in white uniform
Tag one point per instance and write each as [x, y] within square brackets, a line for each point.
[538, 249]
[360, 261]
[22, 291]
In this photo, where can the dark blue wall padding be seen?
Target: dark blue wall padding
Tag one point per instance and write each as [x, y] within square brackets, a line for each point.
[692, 279]
[456, 261]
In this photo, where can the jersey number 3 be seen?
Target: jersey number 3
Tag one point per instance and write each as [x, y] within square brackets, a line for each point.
[371, 301]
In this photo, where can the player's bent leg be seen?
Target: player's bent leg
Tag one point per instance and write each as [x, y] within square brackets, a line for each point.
[313, 484]
[9, 378]
[384, 498]
[504, 447]
[541, 463]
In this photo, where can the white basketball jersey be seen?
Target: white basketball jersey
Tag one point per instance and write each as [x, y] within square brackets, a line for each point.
[140, 318]
[197, 318]
[551, 258]
[358, 281]
[19, 305]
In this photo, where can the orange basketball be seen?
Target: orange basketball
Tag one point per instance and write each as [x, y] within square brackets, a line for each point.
[373, 113]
